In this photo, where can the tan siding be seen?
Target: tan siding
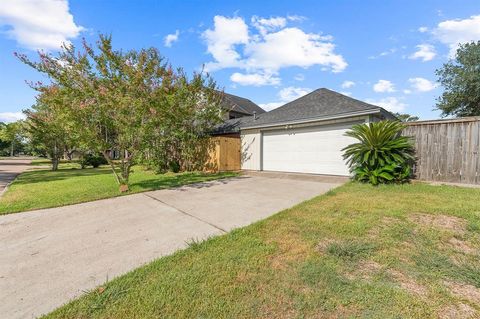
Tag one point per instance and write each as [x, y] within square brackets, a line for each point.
[251, 151]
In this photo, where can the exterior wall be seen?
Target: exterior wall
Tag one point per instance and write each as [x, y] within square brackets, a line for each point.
[251, 149]
[251, 139]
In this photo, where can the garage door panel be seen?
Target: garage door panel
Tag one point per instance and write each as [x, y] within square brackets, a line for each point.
[307, 150]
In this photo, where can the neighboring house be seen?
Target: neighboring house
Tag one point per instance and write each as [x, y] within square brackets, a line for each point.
[238, 107]
[304, 136]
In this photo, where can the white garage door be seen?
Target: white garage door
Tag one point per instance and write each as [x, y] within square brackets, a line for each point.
[315, 150]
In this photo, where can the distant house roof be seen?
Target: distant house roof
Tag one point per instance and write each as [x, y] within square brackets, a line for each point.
[321, 103]
[238, 104]
[231, 126]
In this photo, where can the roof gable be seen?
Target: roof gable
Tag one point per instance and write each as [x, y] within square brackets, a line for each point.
[239, 104]
[319, 103]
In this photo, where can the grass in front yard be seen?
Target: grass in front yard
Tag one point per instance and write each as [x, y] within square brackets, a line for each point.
[42, 188]
[398, 251]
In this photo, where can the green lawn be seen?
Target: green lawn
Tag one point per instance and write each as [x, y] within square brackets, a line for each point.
[42, 188]
[404, 251]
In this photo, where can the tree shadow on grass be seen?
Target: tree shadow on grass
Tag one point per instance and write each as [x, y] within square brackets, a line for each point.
[42, 176]
[192, 180]
[3, 164]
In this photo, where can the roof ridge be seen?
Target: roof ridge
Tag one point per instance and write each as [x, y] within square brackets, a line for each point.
[298, 98]
[318, 103]
[351, 98]
[236, 104]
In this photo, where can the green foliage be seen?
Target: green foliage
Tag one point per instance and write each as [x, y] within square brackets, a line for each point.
[49, 125]
[132, 102]
[382, 155]
[405, 117]
[94, 160]
[461, 80]
[174, 167]
[12, 137]
[4, 144]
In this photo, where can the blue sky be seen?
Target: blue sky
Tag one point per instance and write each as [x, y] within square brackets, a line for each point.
[382, 52]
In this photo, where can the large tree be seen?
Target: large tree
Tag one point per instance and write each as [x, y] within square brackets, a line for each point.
[461, 80]
[119, 100]
[13, 134]
[51, 129]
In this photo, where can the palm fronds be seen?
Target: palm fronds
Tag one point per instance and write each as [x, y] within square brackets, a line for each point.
[382, 155]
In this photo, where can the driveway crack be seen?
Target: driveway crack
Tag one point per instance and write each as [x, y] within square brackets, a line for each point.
[187, 214]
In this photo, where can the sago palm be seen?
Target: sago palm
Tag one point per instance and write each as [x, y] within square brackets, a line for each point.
[382, 154]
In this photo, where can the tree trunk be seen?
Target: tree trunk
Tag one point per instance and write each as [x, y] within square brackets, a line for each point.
[55, 157]
[125, 171]
[55, 161]
[11, 149]
[112, 166]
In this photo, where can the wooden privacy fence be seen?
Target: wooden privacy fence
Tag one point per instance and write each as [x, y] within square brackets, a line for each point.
[225, 156]
[447, 150]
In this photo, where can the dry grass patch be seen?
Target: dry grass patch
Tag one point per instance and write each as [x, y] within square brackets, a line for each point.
[459, 311]
[408, 283]
[291, 247]
[385, 223]
[461, 246]
[444, 222]
[365, 270]
[464, 291]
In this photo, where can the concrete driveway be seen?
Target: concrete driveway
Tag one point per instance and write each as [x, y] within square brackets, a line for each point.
[10, 168]
[50, 256]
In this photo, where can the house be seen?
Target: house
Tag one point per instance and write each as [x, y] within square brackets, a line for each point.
[306, 135]
[238, 107]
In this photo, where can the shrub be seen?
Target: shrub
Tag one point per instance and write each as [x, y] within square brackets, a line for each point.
[174, 166]
[382, 155]
[94, 160]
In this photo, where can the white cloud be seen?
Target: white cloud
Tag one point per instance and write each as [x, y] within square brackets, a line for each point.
[391, 104]
[299, 77]
[255, 79]
[265, 25]
[270, 106]
[221, 41]
[292, 93]
[426, 52]
[275, 46]
[454, 32]
[384, 53]
[345, 93]
[422, 29]
[384, 86]
[41, 24]
[407, 91]
[422, 85]
[286, 95]
[348, 84]
[8, 117]
[296, 18]
[293, 47]
[171, 38]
